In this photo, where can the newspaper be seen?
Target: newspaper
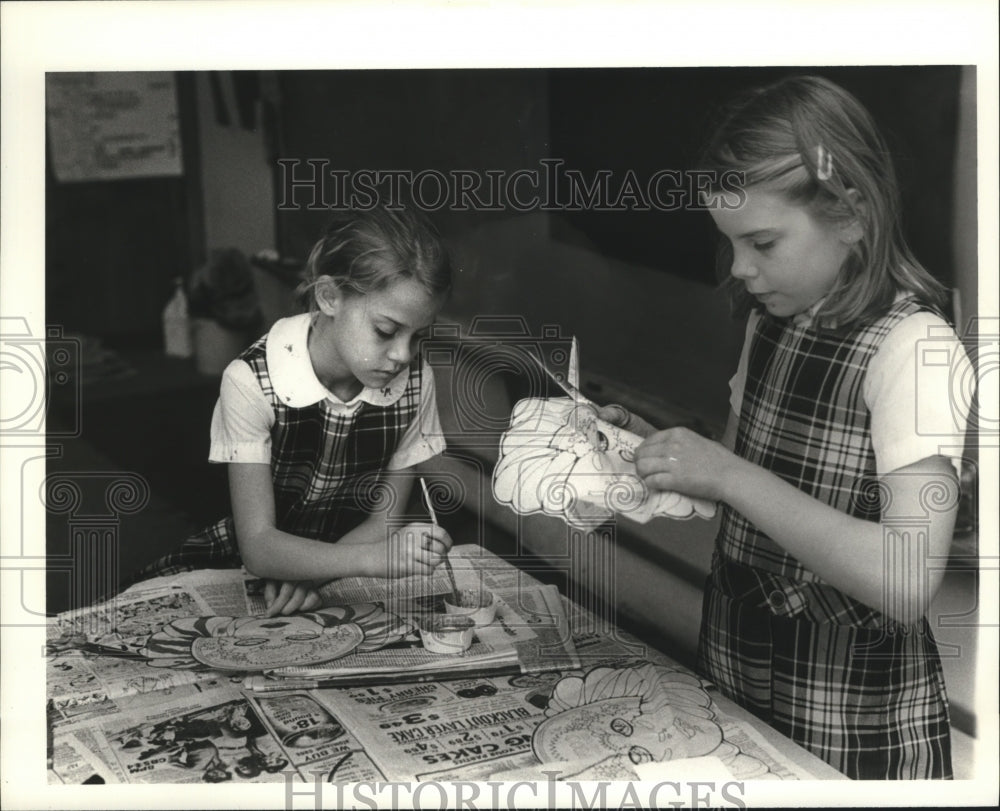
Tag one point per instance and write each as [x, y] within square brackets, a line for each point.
[224, 591]
[472, 565]
[78, 746]
[425, 731]
[217, 738]
[95, 654]
[530, 630]
[74, 763]
[221, 736]
[116, 719]
[315, 740]
[121, 625]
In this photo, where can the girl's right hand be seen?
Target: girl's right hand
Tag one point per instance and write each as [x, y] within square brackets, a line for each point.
[286, 597]
[679, 460]
[623, 418]
[417, 548]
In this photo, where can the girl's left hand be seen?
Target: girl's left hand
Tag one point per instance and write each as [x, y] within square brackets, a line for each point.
[623, 418]
[287, 597]
[680, 460]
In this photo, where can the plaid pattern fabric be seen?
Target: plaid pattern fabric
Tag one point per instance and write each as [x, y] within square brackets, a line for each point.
[325, 467]
[838, 677]
[804, 418]
[869, 700]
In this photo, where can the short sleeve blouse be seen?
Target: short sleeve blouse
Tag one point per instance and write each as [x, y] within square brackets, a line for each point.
[914, 390]
[242, 419]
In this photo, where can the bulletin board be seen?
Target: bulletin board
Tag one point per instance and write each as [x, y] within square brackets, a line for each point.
[117, 235]
[112, 125]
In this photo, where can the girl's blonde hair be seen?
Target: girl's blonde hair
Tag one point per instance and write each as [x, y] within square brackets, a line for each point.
[812, 141]
[363, 251]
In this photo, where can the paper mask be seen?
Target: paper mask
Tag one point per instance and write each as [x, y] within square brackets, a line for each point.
[558, 458]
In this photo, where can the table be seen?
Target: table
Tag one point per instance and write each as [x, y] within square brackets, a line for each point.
[129, 703]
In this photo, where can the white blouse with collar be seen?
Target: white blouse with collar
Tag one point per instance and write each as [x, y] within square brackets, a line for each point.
[243, 418]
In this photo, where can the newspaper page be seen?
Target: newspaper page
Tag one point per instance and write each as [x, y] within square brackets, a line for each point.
[514, 727]
[403, 590]
[85, 744]
[593, 705]
[314, 740]
[222, 735]
[217, 738]
[87, 732]
[530, 629]
[95, 654]
[762, 761]
[122, 624]
[425, 731]
[223, 591]
[74, 764]
[472, 566]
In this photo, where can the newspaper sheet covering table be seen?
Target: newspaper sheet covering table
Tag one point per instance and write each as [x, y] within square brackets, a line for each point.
[115, 718]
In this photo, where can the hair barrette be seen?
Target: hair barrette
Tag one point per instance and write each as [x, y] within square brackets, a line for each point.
[824, 163]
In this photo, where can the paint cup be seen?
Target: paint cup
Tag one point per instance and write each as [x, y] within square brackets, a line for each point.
[477, 604]
[447, 633]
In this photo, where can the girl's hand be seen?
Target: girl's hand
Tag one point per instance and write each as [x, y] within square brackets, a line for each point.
[623, 418]
[680, 460]
[286, 597]
[417, 548]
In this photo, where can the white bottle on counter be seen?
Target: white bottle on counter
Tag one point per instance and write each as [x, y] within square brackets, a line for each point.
[177, 324]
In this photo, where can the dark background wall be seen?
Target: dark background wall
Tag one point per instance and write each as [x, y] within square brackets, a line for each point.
[113, 247]
[410, 119]
[648, 119]
[595, 120]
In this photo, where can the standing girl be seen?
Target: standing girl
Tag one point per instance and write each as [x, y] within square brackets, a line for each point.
[837, 512]
[318, 417]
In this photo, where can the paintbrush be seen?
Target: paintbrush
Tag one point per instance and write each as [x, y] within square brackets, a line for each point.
[447, 563]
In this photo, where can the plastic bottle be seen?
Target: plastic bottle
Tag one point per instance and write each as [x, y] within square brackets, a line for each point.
[177, 324]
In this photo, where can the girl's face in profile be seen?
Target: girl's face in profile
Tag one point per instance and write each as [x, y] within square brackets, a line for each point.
[369, 339]
[787, 257]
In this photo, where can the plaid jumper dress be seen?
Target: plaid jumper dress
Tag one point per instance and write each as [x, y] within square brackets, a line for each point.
[846, 682]
[325, 467]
